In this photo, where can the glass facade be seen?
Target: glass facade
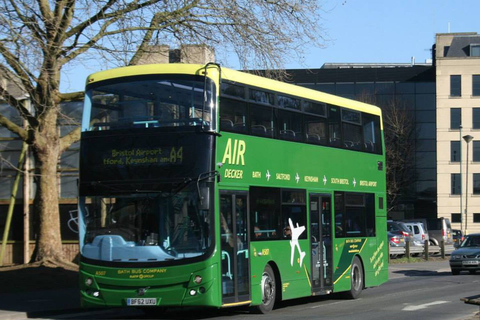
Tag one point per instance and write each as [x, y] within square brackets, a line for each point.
[412, 93]
[412, 88]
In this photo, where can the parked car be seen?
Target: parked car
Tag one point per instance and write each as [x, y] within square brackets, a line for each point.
[457, 236]
[397, 244]
[396, 240]
[419, 233]
[467, 256]
[438, 229]
[399, 228]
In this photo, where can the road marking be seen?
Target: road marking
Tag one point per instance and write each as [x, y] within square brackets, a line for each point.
[423, 306]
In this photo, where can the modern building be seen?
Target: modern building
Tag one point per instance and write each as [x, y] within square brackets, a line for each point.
[411, 88]
[457, 59]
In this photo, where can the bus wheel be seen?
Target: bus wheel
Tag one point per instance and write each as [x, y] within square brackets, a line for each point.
[268, 290]
[356, 278]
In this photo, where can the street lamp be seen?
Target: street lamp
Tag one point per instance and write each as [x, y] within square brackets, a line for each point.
[467, 139]
[461, 177]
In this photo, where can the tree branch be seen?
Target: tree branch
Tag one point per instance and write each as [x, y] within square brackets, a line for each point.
[73, 96]
[18, 130]
[67, 140]
[18, 67]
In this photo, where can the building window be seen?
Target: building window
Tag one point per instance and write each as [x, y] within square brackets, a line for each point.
[476, 151]
[476, 118]
[456, 217]
[455, 183]
[454, 151]
[476, 183]
[476, 218]
[455, 118]
[475, 50]
[455, 86]
[476, 85]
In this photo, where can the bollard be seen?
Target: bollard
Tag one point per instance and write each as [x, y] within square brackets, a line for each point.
[442, 248]
[425, 249]
[407, 250]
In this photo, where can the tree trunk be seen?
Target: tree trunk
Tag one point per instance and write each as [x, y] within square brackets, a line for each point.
[46, 148]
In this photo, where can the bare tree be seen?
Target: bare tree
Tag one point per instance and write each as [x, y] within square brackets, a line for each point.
[399, 135]
[399, 132]
[38, 38]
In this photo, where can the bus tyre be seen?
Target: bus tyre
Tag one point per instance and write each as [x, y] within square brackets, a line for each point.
[356, 279]
[268, 290]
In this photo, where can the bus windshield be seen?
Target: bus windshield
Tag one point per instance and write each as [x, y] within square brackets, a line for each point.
[150, 101]
[146, 227]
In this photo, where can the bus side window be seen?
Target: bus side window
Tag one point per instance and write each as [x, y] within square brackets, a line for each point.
[233, 115]
[334, 127]
[264, 213]
[371, 133]
[262, 121]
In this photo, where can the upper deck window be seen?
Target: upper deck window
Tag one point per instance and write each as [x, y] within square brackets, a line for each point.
[150, 101]
[315, 108]
[233, 90]
[262, 97]
[288, 102]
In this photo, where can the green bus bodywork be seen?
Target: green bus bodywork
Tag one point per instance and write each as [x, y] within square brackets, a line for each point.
[240, 162]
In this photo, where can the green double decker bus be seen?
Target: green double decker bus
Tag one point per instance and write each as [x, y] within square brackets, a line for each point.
[204, 186]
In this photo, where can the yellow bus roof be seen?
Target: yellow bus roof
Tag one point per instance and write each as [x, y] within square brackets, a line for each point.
[235, 76]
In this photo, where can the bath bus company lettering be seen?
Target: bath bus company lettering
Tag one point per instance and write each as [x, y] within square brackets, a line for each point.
[204, 186]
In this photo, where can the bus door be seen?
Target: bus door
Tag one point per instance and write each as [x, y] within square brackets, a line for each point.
[234, 247]
[321, 242]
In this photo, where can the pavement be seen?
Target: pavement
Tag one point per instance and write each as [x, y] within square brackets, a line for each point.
[65, 302]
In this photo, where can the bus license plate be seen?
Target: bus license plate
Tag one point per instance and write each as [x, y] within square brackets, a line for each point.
[141, 301]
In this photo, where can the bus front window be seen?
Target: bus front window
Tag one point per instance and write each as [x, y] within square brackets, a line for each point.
[146, 227]
[150, 102]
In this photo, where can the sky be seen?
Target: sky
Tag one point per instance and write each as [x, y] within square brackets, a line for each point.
[365, 31]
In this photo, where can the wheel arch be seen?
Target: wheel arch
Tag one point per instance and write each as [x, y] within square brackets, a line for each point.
[363, 268]
[278, 279]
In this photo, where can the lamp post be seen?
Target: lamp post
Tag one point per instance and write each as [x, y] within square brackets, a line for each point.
[467, 139]
[461, 177]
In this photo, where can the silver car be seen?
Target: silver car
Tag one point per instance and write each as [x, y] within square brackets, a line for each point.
[419, 233]
[467, 256]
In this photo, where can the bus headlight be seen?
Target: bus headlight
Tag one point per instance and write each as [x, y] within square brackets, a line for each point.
[198, 279]
[88, 282]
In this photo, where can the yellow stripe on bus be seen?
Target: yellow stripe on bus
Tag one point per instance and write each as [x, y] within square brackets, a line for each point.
[236, 303]
[308, 277]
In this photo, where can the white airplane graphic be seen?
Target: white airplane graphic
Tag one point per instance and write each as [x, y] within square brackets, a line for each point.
[296, 232]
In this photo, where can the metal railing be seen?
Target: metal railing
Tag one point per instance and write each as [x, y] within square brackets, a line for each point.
[425, 251]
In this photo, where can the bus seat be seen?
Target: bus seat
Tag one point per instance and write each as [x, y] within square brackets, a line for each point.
[259, 130]
[226, 124]
[287, 134]
[240, 127]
